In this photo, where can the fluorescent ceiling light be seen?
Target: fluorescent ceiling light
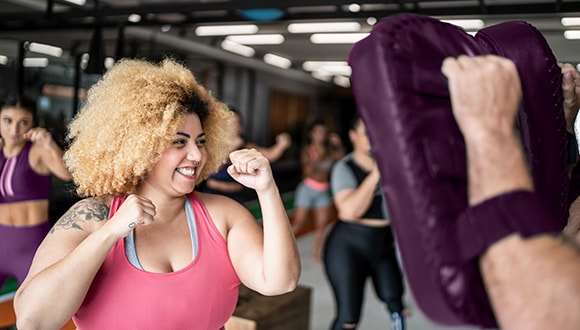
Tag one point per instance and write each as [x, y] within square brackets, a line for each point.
[321, 76]
[134, 18]
[109, 62]
[279, 61]
[341, 81]
[223, 30]
[354, 7]
[77, 2]
[35, 62]
[323, 27]
[466, 24]
[572, 34]
[570, 21]
[343, 70]
[314, 65]
[329, 68]
[371, 21]
[3, 59]
[234, 47]
[337, 38]
[45, 49]
[258, 39]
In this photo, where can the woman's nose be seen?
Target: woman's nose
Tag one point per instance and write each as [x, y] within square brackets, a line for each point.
[12, 129]
[194, 153]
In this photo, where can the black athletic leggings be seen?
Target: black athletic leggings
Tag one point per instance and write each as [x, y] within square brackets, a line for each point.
[354, 252]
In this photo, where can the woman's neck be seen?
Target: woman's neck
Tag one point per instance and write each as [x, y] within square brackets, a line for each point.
[11, 150]
[166, 207]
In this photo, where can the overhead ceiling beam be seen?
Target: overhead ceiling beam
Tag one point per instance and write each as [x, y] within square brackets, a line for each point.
[106, 16]
[75, 18]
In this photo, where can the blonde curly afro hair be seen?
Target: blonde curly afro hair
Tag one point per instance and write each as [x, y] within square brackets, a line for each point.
[131, 116]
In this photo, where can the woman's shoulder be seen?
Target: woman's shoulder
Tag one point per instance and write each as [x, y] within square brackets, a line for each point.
[224, 211]
[344, 160]
[90, 209]
[218, 204]
[86, 214]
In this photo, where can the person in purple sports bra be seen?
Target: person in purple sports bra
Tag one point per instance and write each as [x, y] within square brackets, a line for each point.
[144, 249]
[28, 159]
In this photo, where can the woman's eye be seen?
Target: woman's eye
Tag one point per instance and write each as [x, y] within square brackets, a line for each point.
[201, 142]
[179, 142]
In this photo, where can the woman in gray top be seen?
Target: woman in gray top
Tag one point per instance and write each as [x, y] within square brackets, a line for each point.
[361, 243]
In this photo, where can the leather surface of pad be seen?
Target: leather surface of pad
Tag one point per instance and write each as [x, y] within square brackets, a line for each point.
[403, 98]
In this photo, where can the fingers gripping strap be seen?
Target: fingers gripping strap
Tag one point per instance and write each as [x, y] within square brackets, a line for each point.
[484, 224]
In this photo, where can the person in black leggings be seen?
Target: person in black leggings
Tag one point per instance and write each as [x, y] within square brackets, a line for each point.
[361, 243]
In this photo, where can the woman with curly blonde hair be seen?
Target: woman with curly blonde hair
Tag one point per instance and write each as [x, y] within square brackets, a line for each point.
[144, 249]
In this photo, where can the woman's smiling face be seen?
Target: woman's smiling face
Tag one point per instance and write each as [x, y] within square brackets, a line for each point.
[177, 170]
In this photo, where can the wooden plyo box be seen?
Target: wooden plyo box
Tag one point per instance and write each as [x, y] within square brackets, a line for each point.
[290, 311]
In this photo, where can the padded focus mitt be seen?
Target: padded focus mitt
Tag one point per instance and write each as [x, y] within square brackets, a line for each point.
[403, 99]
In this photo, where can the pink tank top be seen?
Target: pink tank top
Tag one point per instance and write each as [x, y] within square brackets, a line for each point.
[203, 295]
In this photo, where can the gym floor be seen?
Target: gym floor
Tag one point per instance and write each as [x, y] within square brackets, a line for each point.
[374, 315]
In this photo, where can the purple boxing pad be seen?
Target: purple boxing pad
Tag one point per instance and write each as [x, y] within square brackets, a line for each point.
[403, 98]
[541, 118]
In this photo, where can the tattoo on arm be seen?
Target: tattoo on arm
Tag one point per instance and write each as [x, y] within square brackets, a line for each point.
[87, 210]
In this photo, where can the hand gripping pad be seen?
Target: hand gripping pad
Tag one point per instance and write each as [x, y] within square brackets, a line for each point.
[403, 99]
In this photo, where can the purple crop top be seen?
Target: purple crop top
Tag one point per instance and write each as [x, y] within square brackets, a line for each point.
[18, 181]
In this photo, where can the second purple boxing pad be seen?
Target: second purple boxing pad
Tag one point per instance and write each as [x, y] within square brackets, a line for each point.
[403, 99]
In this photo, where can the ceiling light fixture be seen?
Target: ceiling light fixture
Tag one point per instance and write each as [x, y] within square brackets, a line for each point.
[134, 18]
[44, 49]
[354, 7]
[466, 24]
[314, 65]
[276, 60]
[572, 34]
[337, 38]
[323, 27]
[77, 2]
[321, 75]
[341, 81]
[109, 62]
[224, 30]
[570, 21]
[343, 70]
[371, 21]
[3, 59]
[258, 39]
[237, 48]
[35, 62]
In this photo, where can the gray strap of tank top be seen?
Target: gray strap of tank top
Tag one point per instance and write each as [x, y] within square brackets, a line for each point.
[131, 252]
